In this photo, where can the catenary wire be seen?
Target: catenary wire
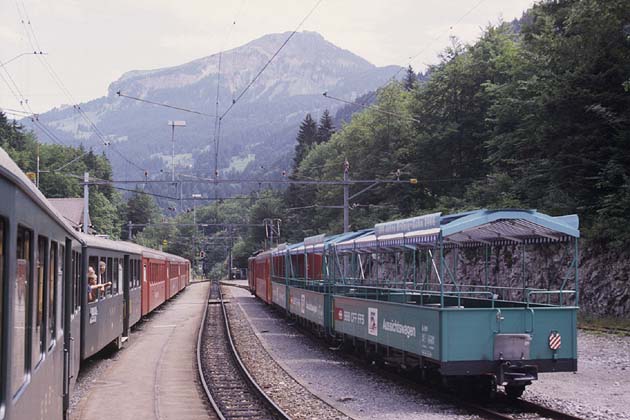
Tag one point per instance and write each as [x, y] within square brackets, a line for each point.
[262, 70]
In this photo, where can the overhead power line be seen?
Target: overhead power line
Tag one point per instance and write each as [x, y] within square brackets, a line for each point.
[169, 197]
[16, 111]
[275, 181]
[374, 107]
[192, 111]
[217, 141]
[262, 70]
[33, 41]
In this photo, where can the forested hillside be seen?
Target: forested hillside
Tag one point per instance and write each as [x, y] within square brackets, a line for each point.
[62, 169]
[538, 118]
[534, 114]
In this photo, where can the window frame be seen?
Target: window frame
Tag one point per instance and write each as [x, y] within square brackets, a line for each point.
[53, 293]
[40, 286]
[26, 235]
[115, 276]
[76, 274]
[93, 261]
[109, 274]
[4, 240]
[62, 301]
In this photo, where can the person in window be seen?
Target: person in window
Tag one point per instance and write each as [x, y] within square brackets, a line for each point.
[101, 268]
[93, 287]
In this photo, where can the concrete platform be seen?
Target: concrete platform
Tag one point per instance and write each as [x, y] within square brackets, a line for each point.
[155, 376]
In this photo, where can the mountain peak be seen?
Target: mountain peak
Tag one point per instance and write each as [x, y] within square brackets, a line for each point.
[260, 130]
[305, 48]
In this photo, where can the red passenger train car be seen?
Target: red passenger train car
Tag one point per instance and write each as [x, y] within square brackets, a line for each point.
[259, 276]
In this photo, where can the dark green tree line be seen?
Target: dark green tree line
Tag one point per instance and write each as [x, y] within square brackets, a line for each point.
[537, 118]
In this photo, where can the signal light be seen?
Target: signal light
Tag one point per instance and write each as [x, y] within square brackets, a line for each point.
[413, 181]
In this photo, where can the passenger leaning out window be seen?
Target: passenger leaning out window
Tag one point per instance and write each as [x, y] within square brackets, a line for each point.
[101, 268]
[93, 287]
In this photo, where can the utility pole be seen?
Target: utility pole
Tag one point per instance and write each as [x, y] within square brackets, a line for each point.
[174, 124]
[129, 231]
[194, 251]
[272, 229]
[86, 201]
[230, 253]
[37, 177]
[346, 197]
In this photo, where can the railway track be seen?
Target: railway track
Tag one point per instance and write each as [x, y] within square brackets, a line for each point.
[501, 408]
[504, 409]
[231, 390]
[608, 330]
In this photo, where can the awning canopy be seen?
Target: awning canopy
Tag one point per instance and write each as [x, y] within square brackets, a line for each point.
[474, 228]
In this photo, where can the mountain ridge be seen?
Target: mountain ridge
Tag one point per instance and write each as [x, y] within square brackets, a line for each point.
[263, 123]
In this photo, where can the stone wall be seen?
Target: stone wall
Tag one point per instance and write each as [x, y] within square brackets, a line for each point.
[604, 277]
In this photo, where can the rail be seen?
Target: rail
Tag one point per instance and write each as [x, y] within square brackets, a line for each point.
[272, 410]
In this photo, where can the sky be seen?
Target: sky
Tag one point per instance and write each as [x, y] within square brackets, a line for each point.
[91, 43]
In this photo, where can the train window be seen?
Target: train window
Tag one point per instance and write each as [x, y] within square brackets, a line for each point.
[93, 279]
[137, 269]
[76, 275]
[102, 275]
[62, 270]
[72, 297]
[52, 292]
[115, 276]
[131, 276]
[20, 348]
[119, 287]
[39, 339]
[77, 280]
[110, 276]
[2, 248]
[133, 273]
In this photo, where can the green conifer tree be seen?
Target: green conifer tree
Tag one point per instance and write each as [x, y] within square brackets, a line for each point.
[306, 138]
[410, 80]
[326, 128]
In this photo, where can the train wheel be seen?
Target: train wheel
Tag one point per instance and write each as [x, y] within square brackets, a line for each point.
[514, 391]
[487, 387]
[118, 343]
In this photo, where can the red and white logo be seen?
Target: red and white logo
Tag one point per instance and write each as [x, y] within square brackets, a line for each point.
[339, 314]
[555, 340]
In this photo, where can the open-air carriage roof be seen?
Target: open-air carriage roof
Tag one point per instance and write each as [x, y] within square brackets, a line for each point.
[473, 228]
[317, 244]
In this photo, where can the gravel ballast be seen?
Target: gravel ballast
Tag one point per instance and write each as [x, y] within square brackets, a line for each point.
[291, 396]
[601, 387]
[356, 392]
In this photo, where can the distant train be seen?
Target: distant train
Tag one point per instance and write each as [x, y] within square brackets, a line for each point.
[64, 296]
[446, 296]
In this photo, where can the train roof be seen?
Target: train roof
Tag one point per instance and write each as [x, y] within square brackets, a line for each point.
[10, 170]
[473, 228]
[94, 241]
[160, 255]
[321, 242]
